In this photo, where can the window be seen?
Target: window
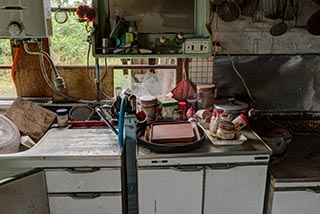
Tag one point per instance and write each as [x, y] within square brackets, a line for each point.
[7, 88]
[69, 47]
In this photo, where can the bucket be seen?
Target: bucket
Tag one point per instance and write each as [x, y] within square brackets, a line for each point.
[9, 135]
[148, 104]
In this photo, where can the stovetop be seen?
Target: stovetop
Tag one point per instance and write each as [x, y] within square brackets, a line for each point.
[302, 161]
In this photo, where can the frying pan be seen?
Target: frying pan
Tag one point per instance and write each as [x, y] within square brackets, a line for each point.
[170, 147]
[313, 24]
[228, 11]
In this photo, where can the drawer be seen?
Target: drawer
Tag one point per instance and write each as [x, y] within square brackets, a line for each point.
[85, 204]
[83, 180]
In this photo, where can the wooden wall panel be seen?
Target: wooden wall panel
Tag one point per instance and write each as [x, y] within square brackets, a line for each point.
[29, 80]
[80, 83]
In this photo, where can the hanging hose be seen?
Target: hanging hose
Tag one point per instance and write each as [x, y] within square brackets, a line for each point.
[121, 120]
[14, 65]
[42, 54]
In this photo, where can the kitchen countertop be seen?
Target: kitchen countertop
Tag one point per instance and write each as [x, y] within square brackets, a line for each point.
[252, 146]
[67, 148]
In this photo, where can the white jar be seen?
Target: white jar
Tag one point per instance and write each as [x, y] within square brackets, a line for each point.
[62, 117]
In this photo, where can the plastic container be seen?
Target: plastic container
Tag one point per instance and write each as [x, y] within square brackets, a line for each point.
[240, 122]
[205, 95]
[62, 117]
[148, 104]
[226, 130]
[168, 105]
[183, 107]
[9, 135]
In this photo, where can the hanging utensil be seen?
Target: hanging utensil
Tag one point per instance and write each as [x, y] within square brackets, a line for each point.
[249, 8]
[228, 11]
[280, 28]
[60, 16]
[313, 24]
[290, 10]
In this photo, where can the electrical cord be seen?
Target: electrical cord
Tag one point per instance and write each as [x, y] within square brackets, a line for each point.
[240, 76]
[216, 30]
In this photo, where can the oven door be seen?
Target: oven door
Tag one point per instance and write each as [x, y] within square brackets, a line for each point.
[298, 200]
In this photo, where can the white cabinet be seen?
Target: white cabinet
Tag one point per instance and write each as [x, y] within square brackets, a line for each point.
[85, 204]
[85, 190]
[83, 180]
[176, 190]
[24, 195]
[303, 200]
[234, 188]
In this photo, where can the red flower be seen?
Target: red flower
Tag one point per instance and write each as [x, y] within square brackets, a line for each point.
[86, 13]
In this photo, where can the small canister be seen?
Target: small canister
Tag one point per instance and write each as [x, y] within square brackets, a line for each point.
[226, 130]
[62, 117]
[148, 105]
[205, 95]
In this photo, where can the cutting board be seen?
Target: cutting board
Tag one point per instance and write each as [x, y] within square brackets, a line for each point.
[173, 132]
[31, 119]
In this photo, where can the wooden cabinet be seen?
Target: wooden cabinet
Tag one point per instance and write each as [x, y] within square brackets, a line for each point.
[85, 190]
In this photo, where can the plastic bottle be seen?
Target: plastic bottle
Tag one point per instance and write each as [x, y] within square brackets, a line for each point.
[240, 122]
[183, 107]
[214, 122]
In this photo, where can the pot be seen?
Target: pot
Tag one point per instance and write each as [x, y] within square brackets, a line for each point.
[232, 106]
[278, 145]
[274, 135]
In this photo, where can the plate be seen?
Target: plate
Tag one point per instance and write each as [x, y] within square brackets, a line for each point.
[218, 142]
[234, 142]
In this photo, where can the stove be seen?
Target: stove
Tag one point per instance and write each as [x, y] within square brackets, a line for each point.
[294, 182]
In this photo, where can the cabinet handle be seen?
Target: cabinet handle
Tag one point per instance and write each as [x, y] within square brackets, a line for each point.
[85, 195]
[222, 166]
[83, 170]
[313, 190]
[187, 168]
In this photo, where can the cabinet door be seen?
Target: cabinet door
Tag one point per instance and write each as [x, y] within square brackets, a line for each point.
[25, 195]
[85, 204]
[174, 190]
[235, 189]
[296, 201]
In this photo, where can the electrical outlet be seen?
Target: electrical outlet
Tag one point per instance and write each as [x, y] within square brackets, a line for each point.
[197, 46]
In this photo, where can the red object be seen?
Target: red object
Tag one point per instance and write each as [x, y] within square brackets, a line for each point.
[141, 115]
[190, 113]
[244, 118]
[86, 13]
[182, 105]
[183, 91]
[86, 123]
[172, 132]
[158, 109]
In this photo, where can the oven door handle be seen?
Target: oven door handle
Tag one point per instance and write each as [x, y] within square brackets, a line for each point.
[315, 190]
[187, 168]
[222, 166]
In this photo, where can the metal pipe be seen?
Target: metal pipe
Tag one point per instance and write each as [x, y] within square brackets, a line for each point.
[105, 119]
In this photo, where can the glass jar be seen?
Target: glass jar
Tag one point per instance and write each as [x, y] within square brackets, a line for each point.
[62, 117]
